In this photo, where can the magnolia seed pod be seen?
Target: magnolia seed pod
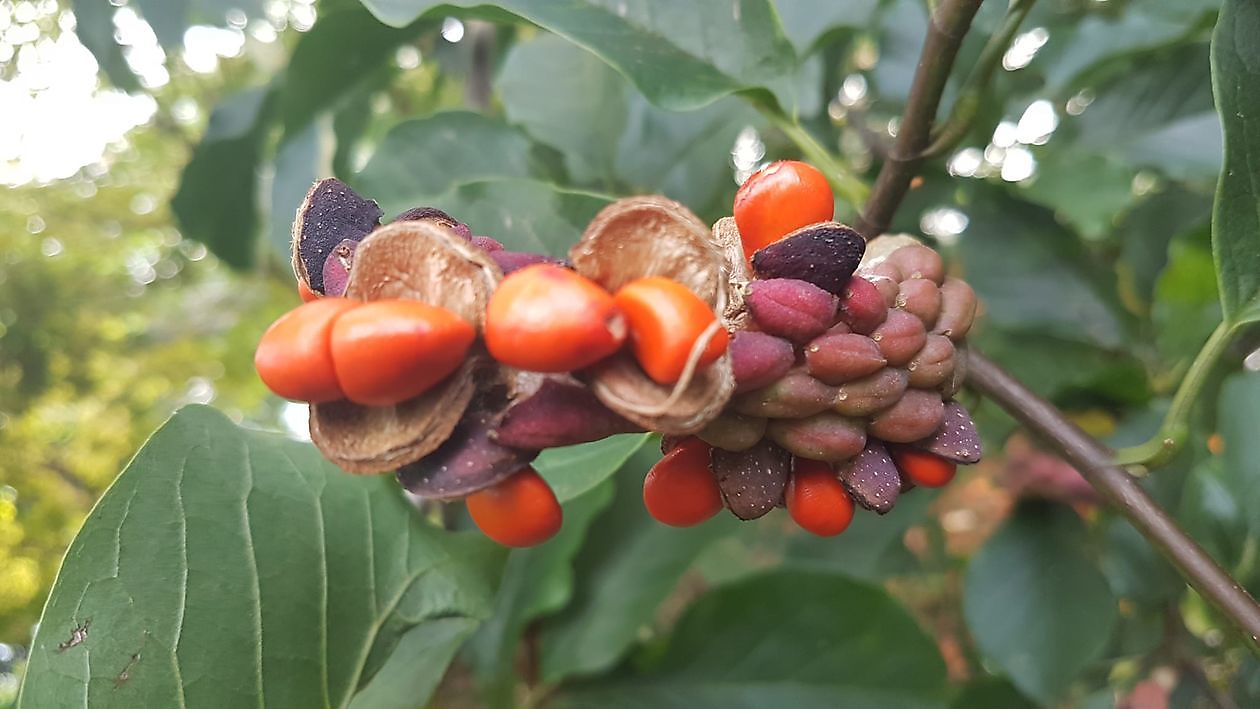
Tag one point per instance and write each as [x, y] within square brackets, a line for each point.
[916, 261]
[871, 478]
[470, 460]
[862, 306]
[488, 244]
[559, 412]
[634, 238]
[752, 481]
[915, 416]
[733, 432]
[735, 267]
[958, 376]
[956, 438]
[434, 214]
[794, 395]
[921, 298]
[758, 359]
[330, 214]
[796, 310]
[873, 393]
[900, 337]
[824, 254]
[958, 309]
[837, 358]
[413, 260]
[933, 365]
[826, 436]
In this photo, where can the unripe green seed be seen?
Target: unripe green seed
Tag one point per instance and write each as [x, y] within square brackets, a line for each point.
[796, 395]
[733, 432]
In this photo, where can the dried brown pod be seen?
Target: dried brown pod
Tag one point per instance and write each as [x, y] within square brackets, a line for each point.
[330, 214]
[738, 275]
[414, 260]
[654, 236]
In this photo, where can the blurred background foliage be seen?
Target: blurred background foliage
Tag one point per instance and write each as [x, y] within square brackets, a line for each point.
[136, 275]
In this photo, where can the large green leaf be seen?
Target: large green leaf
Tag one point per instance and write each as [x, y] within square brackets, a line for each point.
[567, 98]
[681, 55]
[1236, 219]
[301, 159]
[871, 548]
[1036, 603]
[806, 21]
[229, 568]
[629, 565]
[536, 581]
[217, 201]
[1031, 273]
[1186, 307]
[171, 18]
[94, 25]
[785, 639]
[573, 470]
[1238, 413]
[422, 158]
[525, 215]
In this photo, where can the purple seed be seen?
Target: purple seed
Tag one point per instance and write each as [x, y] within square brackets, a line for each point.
[872, 479]
[956, 439]
[752, 481]
[790, 308]
[758, 359]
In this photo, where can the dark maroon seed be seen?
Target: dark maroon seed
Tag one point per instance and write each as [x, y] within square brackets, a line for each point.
[337, 268]
[789, 308]
[510, 261]
[752, 481]
[487, 244]
[956, 439]
[331, 214]
[436, 215]
[470, 460]
[872, 479]
[758, 359]
[825, 254]
[561, 413]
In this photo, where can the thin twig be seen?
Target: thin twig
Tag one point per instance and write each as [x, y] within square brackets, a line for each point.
[948, 26]
[966, 107]
[1093, 460]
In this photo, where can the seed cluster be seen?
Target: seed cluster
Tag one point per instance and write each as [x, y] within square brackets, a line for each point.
[784, 361]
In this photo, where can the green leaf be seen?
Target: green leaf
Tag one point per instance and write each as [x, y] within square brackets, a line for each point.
[680, 55]
[629, 565]
[573, 470]
[217, 201]
[94, 25]
[171, 18]
[1036, 603]
[1159, 114]
[990, 693]
[1238, 412]
[229, 568]
[300, 160]
[806, 21]
[1186, 309]
[870, 549]
[1085, 190]
[346, 47]
[523, 214]
[1031, 273]
[1236, 218]
[420, 159]
[536, 582]
[1146, 231]
[785, 639]
[579, 110]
